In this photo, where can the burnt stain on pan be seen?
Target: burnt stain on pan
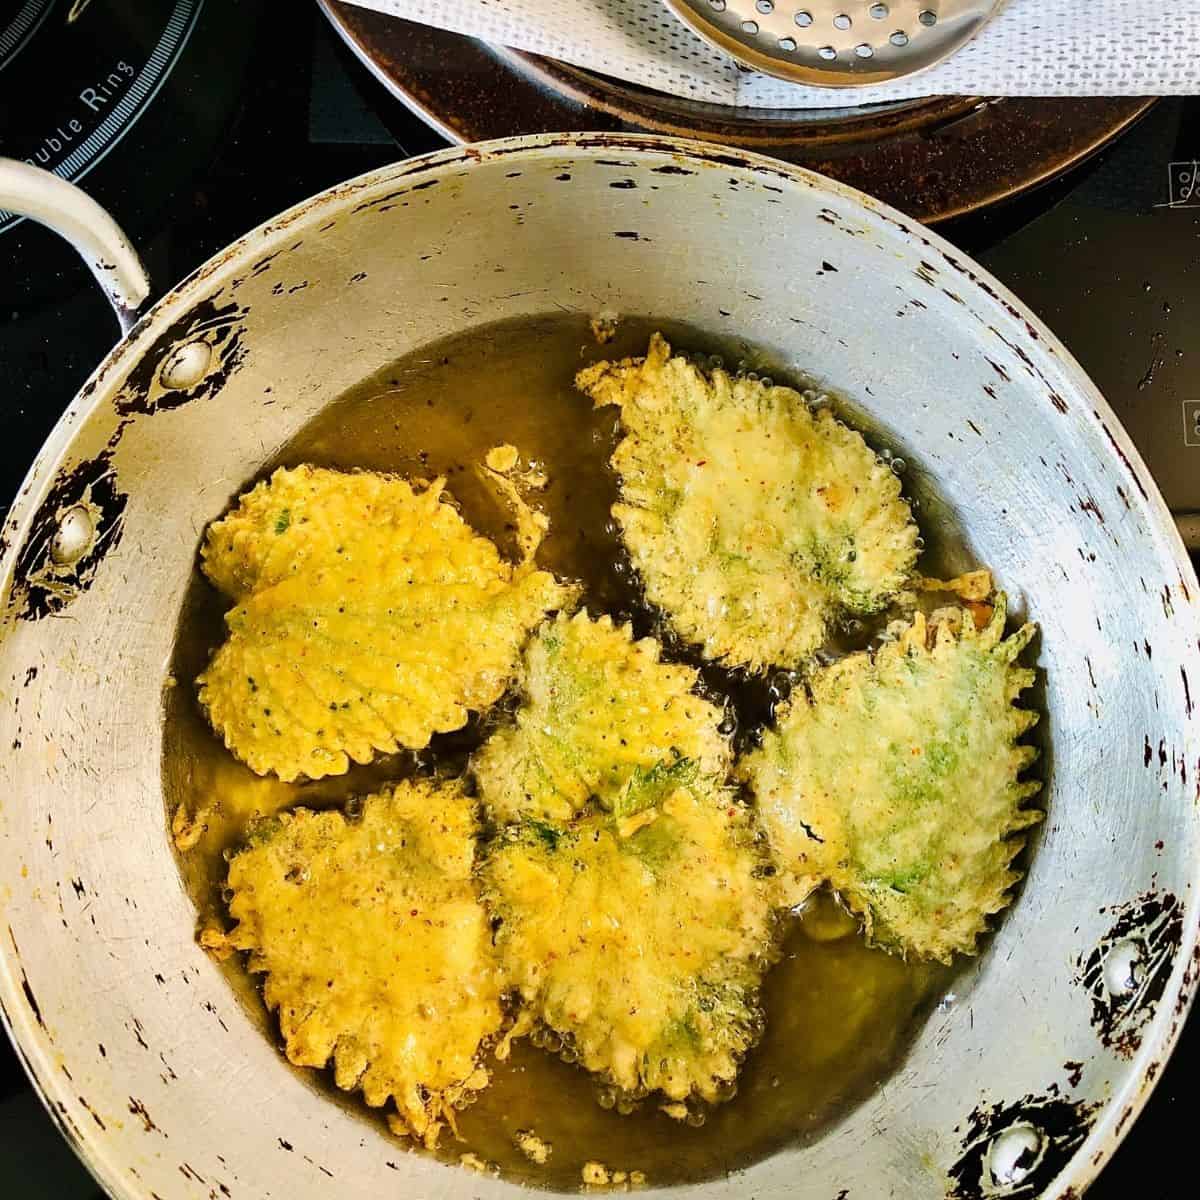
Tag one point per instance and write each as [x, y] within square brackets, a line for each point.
[189, 1172]
[983, 285]
[383, 203]
[1146, 933]
[92, 1112]
[219, 326]
[1122, 455]
[30, 998]
[1059, 1127]
[256, 268]
[312, 1162]
[65, 1124]
[926, 272]
[138, 1109]
[43, 583]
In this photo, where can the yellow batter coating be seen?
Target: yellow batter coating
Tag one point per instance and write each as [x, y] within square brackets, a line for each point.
[753, 520]
[601, 716]
[642, 941]
[898, 783]
[369, 616]
[375, 950]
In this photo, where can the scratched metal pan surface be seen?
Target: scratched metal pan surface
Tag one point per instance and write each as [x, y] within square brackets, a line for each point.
[146, 1058]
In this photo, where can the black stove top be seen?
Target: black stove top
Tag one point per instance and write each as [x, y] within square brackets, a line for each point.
[194, 120]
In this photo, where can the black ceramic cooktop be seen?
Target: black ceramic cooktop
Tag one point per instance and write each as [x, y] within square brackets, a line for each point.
[194, 120]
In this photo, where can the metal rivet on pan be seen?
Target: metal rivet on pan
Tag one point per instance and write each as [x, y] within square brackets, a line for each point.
[1013, 1155]
[927, 17]
[1123, 968]
[73, 537]
[186, 365]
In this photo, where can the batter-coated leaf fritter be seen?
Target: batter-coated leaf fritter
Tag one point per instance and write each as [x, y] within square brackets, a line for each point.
[600, 716]
[898, 783]
[753, 520]
[641, 939]
[375, 950]
[368, 617]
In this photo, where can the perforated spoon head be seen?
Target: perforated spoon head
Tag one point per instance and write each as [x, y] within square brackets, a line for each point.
[836, 43]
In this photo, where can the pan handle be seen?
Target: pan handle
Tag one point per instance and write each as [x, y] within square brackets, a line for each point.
[61, 206]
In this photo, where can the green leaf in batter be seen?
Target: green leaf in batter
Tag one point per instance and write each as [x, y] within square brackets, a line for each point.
[899, 783]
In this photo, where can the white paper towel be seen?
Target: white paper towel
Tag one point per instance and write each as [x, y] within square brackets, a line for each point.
[1031, 48]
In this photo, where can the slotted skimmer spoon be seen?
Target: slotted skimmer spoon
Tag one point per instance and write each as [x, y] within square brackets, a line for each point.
[836, 43]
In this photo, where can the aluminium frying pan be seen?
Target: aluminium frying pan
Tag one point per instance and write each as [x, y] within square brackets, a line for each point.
[142, 1052]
